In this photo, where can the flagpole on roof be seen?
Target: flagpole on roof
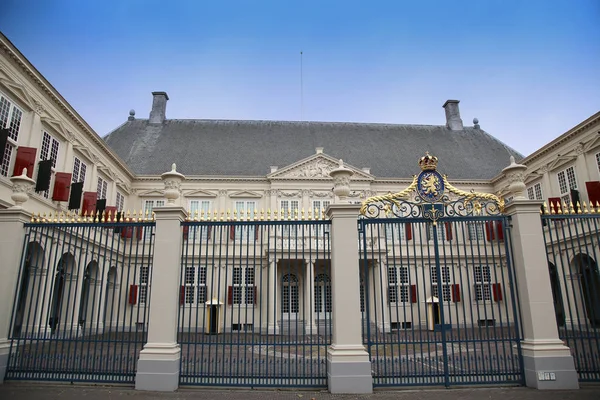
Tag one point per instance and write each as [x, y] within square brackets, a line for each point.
[301, 91]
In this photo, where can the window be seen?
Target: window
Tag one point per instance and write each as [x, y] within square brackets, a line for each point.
[150, 204]
[483, 279]
[10, 118]
[398, 288]
[245, 210]
[120, 202]
[102, 188]
[566, 182]
[441, 232]
[144, 282]
[243, 285]
[475, 230]
[199, 209]
[318, 208]
[49, 151]
[395, 231]
[79, 169]
[598, 161]
[195, 285]
[446, 284]
[535, 192]
[289, 210]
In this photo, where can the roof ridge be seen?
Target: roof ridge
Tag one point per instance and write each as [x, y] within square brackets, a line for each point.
[284, 122]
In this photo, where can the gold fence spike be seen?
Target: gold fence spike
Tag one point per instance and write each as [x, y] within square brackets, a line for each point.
[572, 209]
[302, 214]
[578, 207]
[103, 219]
[127, 216]
[262, 214]
[255, 215]
[296, 214]
[268, 214]
[545, 208]
[55, 217]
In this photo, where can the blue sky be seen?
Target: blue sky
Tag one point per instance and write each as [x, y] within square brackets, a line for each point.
[529, 70]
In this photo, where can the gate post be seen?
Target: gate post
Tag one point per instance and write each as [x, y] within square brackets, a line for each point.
[348, 364]
[159, 362]
[12, 232]
[543, 351]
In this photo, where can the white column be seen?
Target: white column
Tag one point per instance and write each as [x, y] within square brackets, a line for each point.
[272, 327]
[309, 323]
[348, 365]
[542, 348]
[12, 232]
[158, 365]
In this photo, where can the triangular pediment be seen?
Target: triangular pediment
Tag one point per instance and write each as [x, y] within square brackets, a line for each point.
[56, 125]
[245, 194]
[18, 91]
[316, 167]
[560, 161]
[199, 193]
[595, 142]
[151, 193]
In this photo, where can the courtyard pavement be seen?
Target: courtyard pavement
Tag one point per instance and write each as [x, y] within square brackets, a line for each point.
[37, 391]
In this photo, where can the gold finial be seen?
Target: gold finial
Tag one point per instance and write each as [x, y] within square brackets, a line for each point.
[127, 216]
[578, 208]
[262, 214]
[55, 217]
[103, 219]
[545, 208]
[268, 214]
[428, 162]
[255, 215]
[572, 208]
[228, 215]
[302, 214]
[309, 214]
[585, 209]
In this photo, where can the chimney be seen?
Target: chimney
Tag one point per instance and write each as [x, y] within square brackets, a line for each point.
[453, 120]
[159, 107]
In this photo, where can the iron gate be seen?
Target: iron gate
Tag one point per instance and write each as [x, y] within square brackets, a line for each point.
[438, 294]
[80, 309]
[255, 301]
[571, 239]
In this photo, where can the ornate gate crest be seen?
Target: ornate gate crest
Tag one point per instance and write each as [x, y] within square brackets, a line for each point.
[431, 196]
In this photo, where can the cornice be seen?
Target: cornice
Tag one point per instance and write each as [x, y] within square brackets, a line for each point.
[24, 64]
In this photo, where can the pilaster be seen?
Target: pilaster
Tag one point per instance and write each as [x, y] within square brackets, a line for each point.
[309, 322]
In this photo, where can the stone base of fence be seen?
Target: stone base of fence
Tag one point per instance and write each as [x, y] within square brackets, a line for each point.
[549, 366]
[158, 368]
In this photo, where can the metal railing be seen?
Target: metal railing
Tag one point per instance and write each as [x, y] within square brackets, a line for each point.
[439, 301]
[81, 305]
[573, 247]
[255, 303]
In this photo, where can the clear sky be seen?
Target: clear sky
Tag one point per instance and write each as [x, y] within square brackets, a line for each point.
[529, 70]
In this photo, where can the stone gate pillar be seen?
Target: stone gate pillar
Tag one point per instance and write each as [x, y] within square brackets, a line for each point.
[348, 365]
[543, 351]
[159, 361]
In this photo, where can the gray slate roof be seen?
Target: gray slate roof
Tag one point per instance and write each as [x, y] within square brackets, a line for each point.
[249, 148]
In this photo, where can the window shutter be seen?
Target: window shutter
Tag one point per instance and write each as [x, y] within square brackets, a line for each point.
[500, 230]
[448, 226]
[89, 203]
[408, 229]
[127, 232]
[497, 292]
[209, 233]
[139, 232]
[413, 293]
[456, 293]
[100, 207]
[555, 204]
[593, 190]
[256, 228]
[186, 232]
[489, 230]
[182, 295]
[3, 142]
[232, 232]
[229, 294]
[44, 176]
[133, 289]
[62, 183]
[575, 199]
[255, 292]
[25, 159]
[75, 195]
